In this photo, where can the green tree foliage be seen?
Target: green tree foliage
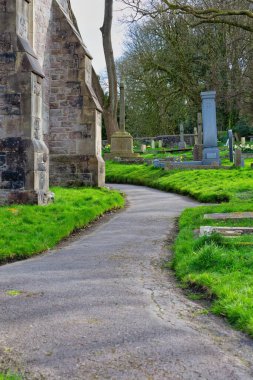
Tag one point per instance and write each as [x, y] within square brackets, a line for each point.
[167, 64]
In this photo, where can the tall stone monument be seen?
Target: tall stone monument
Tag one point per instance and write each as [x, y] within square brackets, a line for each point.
[121, 141]
[211, 153]
[24, 155]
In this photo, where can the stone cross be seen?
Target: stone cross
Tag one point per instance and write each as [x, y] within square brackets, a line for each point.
[231, 145]
[122, 123]
[211, 152]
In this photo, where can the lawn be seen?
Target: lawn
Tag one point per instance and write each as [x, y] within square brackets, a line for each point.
[215, 267]
[9, 377]
[27, 230]
[203, 185]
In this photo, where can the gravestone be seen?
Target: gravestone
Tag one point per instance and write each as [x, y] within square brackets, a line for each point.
[198, 147]
[153, 144]
[143, 148]
[231, 145]
[238, 160]
[121, 141]
[182, 144]
[160, 143]
[243, 141]
[195, 136]
[200, 129]
[211, 153]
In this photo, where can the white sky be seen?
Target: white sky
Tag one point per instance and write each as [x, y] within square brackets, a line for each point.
[90, 15]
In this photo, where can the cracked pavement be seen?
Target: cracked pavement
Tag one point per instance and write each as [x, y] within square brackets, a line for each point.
[101, 307]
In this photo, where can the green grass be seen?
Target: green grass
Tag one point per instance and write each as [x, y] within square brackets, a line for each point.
[9, 377]
[26, 230]
[203, 185]
[219, 268]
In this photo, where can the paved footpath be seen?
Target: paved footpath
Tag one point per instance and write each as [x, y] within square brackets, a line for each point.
[100, 307]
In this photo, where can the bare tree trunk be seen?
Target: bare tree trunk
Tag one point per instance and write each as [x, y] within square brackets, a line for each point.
[110, 106]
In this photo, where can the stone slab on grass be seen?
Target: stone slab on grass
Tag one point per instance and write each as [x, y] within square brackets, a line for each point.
[225, 231]
[229, 216]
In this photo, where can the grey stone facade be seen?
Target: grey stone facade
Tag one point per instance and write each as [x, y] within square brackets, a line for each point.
[49, 111]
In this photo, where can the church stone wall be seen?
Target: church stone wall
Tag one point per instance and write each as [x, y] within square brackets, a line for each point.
[23, 153]
[46, 95]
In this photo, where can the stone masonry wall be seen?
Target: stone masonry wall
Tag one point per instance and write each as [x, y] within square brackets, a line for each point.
[71, 111]
[46, 94]
[24, 156]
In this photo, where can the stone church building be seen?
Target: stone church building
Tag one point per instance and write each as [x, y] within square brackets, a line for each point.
[50, 116]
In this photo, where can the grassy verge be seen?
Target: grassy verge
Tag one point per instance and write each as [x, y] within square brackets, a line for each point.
[221, 268]
[203, 185]
[9, 377]
[215, 267]
[26, 230]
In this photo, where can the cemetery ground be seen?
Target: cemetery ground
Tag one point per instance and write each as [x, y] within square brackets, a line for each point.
[102, 307]
[27, 230]
[217, 268]
[9, 376]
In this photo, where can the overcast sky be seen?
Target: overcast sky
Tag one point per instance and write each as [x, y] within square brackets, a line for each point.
[90, 14]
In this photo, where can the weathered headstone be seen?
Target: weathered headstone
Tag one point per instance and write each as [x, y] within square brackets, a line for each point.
[230, 215]
[198, 147]
[238, 158]
[182, 144]
[153, 144]
[243, 141]
[196, 136]
[200, 129]
[231, 145]
[225, 231]
[160, 143]
[210, 152]
[143, 148]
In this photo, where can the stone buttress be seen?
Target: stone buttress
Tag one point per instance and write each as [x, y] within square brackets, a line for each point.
[23, 153]
[71, 111]
[47, 101]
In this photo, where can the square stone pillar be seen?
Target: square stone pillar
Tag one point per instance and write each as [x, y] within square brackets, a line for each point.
[211, 153]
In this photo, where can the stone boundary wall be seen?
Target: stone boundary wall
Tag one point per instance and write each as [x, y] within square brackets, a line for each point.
[168, 140]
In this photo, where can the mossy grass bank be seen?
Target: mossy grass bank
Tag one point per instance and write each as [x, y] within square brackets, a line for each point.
[27, 230]
[214, 267]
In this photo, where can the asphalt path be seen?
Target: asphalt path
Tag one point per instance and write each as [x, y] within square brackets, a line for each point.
[101, 307]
